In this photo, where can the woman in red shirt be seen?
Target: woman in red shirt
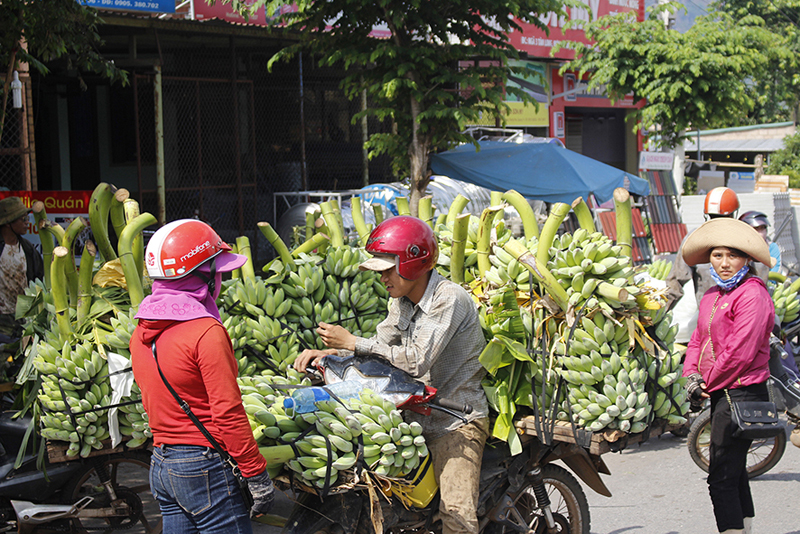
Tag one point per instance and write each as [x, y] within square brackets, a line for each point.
[195, 488]
[728, 355]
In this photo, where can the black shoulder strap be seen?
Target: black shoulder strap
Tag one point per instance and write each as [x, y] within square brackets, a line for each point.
[188, 411]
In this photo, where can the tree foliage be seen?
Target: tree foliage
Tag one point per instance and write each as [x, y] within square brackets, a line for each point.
[777, 94]
[39, 31]
[787, 160]
[445, 64]
[703, 78]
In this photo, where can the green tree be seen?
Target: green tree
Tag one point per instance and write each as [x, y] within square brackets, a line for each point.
[787, 160]
[445, 63]
[39, 31]
[702, 78]
[777, 94]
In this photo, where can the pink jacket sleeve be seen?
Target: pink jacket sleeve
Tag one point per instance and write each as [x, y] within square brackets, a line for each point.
[753, 317]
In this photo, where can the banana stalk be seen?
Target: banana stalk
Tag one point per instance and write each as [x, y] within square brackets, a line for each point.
[85, 281]
[53, 233]
[457, 250]
[776, 277]
[311, 228]
[68, 241]
[622, 206]
[610, 291]
[377, 209]
[584, 215]
[456, 207]
[243, 246]
[236, 273]
[131, 209]
[484, 238]
[58, 277]
[129, 267]
[39, 215]
[310, 244]
[426, 209]
[118, 211]
[276, 242]
[558, 211]
[496, 199]
[99, 207]
[358, 219]
[540, 272]
[337, 238]
[338, 216]
[441, 219]
[523, 207]
[402, 206]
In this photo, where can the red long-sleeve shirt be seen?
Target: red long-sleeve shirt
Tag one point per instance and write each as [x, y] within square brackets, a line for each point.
[737, 354]
[197, 359]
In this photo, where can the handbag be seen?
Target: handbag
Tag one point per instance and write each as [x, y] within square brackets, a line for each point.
[750, 419]
[223, 454]
[755, 419]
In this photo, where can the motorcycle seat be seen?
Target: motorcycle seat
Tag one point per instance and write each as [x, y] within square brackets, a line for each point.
[12, 430]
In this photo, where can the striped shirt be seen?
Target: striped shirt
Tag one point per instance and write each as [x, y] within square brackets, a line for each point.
[437, 341]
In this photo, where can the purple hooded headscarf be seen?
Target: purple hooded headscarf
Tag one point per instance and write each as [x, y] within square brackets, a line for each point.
[183, 299]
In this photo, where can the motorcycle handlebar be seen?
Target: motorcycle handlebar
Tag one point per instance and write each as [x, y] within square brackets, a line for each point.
[455, 406]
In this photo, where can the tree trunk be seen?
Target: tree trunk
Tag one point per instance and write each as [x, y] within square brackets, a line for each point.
[418, 153]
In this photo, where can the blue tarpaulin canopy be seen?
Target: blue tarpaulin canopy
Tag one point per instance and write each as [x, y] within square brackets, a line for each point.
[540, 171]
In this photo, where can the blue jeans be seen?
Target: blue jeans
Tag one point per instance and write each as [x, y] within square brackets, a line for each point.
[196, 492]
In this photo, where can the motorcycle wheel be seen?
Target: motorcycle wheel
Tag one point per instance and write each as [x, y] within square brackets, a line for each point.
[129, 473]
[567, 502]
[764, 453]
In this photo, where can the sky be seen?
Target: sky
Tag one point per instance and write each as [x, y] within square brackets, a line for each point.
[694, 8]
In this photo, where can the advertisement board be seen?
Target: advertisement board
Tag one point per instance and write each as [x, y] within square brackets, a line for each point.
[538, 43]
[62, 208]
[151, 6]
[656, 161]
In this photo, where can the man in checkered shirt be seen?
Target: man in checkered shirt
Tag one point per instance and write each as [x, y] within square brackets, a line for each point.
[432, 332]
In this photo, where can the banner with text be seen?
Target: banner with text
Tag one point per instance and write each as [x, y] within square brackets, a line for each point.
[62, 208]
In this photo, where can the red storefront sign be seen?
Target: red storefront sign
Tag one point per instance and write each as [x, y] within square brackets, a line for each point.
[62, 207]
[537, 43]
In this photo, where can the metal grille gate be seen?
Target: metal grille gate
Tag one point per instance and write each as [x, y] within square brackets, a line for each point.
[17, 168]
[209, 151]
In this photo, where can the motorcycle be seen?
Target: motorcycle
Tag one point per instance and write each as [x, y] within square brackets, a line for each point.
[764, 453]
[106, 492]
[523, 493]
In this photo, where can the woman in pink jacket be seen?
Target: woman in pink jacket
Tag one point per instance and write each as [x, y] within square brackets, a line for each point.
[729, 351]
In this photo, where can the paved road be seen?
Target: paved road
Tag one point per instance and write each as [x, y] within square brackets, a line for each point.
[657, 489]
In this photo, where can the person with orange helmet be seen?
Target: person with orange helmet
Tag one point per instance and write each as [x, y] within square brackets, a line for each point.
[433, 333]
[180, 348]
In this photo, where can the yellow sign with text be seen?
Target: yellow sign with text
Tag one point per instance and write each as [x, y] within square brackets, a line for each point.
[521, 114]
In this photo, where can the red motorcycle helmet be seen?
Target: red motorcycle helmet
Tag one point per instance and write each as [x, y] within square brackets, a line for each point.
[410, 240]
[721, 202]
[180, 247]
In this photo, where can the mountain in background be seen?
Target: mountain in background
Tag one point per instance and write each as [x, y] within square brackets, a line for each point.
[684, 20]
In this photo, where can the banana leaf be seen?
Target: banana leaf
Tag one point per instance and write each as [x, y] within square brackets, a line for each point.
[504, 424]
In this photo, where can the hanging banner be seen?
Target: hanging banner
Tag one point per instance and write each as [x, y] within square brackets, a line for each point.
[62, 208]
[151, 6]
[538, 43]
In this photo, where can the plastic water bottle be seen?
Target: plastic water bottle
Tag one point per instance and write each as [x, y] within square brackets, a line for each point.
[303, 399]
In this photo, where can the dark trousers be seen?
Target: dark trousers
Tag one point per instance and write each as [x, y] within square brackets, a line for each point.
[728, 482]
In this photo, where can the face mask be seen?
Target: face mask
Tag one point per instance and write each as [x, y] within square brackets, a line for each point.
[731, 282]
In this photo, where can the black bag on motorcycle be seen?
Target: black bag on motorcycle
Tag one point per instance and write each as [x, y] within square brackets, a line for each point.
[755, 419]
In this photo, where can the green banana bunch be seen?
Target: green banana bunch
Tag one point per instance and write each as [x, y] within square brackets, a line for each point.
[786, 301]
[659, 269]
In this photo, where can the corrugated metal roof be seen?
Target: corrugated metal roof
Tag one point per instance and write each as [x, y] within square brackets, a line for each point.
[734, 145]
